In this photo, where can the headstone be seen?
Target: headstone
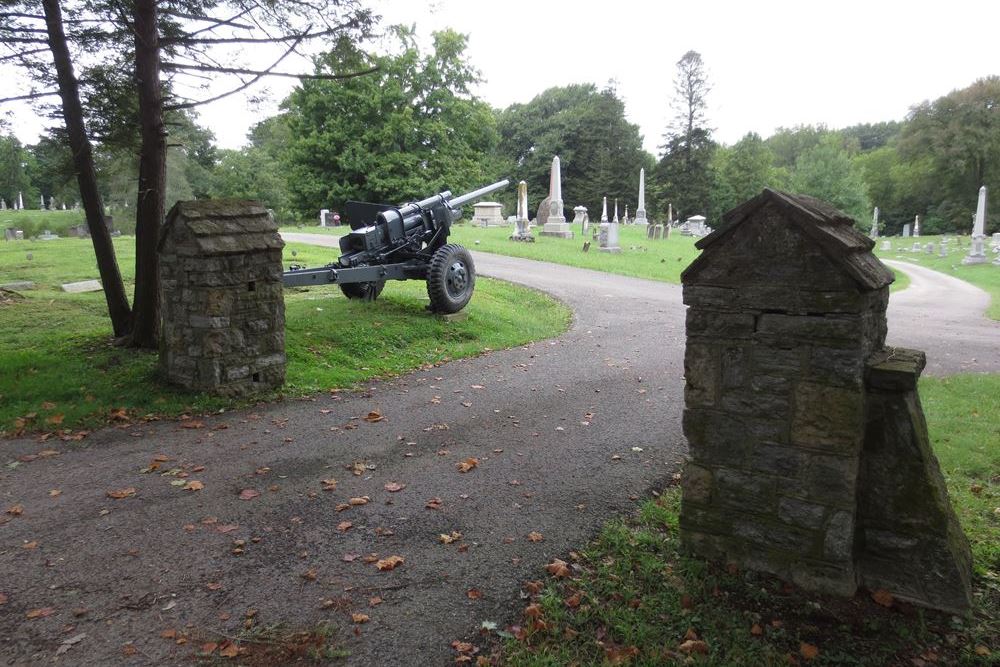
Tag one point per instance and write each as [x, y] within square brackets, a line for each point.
[640, 211]
[20, 202]
[3, 204]
[556, 224]
[977, 255]
[694, 226]
[222, 301]
[943, 250]
[906, 231]
[916, 247]
[324, 217]
[18, 235]
[542, 215]
[929, 248]
[607, 236]
[809, 454]
[487, 214]
[886, 244]
[79, 231]
[48, 236]
[82, 286]
[521, 223]
[580, 217]
[8, 234]
[995, 242]
[615, 219]
[604, 210]
[625, 219]
[916, 225]
[41, 202]
[874, 232]
[19, 285]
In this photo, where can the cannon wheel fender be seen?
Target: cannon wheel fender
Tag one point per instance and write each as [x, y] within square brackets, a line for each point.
[451, 278]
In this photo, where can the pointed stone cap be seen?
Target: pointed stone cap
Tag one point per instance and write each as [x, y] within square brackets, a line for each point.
[219, 227]
[831, 229]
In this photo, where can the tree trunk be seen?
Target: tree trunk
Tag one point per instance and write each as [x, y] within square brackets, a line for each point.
[86, 176]
[152, 177]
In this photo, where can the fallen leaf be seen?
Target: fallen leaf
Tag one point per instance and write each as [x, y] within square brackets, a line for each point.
[329, 484]
[808, 651]
[694, 646]
[360, 618]
[473, 594]
[374, 601]
[535, 536]
[209, 647]
[883, 597]
[15, 510]
[478, 386]
[344, 526]
[445, 538]
[462, 647]
[249, 494]
[226, 528]
[194, 485]
[67, 644]
[690, 634]
[533, 610]
[390, 563]
[534, 587]
[54, 492]
[41, 612]
[573, 601]
[122, 493]
[433, 504]
[310, 574]
[193, 423]
[982, 651]
[3, 598]
[169, 633]
[393, 487]
[229, 650]
[54, 420]
[558, 568]
[756, 630]
[349, 558]
[33, 544]
[129, 649]
[467, 465]
[374, 416]
[361, 500]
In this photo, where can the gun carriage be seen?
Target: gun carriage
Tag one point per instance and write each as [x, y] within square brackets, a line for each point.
[407, 242]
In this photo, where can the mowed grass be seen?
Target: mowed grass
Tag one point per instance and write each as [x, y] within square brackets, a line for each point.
[985, 276]
[33, 223]
[632, 597]
[59, 369]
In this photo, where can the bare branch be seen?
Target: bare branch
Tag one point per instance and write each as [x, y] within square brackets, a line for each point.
[240, 70]
[256, 40]
[211, 19]
[16, 56]
[19, 15]
[29, 96]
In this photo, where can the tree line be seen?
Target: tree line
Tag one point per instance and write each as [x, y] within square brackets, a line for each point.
[396, 124]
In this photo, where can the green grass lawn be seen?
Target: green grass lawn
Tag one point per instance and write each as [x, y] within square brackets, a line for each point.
[60, 371]
[33, 223]
[632, 598]
[985, 276]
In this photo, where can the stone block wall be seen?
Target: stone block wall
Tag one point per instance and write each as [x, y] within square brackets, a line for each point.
[786, 309]
[222, 301]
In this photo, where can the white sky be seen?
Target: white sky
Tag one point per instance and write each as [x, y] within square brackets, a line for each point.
[770, 63]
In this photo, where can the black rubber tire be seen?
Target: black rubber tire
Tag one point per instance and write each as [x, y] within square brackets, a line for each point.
[451, 279]
[363, 291]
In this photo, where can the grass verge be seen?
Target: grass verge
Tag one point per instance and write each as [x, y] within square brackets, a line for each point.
[60, 371]
[631, 598]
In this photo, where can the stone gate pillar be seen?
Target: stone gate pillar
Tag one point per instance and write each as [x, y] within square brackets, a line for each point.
[221, 297]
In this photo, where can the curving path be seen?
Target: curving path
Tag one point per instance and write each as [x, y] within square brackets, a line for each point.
[568, 433]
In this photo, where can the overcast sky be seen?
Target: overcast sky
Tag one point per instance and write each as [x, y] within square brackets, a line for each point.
[770, 64]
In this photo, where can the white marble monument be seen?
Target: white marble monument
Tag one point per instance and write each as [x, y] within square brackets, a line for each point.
[604, 210]
[556, 224]
[916, 225]
[487, 214]
[874, 232]
[580, 217]
[522, 223]
[977, 255]
[906, 231]
[640, 211]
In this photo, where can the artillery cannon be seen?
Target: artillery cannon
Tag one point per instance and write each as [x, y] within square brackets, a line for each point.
[407, 242]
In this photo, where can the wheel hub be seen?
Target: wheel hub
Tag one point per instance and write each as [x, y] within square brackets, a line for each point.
[457, 278]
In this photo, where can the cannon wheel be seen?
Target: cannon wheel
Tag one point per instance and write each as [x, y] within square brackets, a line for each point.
[451, 278]
[365, 291]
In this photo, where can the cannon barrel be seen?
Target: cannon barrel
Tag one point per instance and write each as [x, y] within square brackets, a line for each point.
[461, 200]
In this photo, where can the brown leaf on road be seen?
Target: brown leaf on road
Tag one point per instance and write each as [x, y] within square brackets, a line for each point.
[374, 416]
[3, 598]
[535, 536]
[194, 485]
[533, 587]
[477, 386]
[434, 504]
[349, 558]
[310, 574]
[390, 563]
[329, 484]
[374, 601]
[558, 568]
[883, 597]
[360, 618]
[122, 493]
[359, 500]
[169, 633]
[16, 510]
[344, 526]
[41, 612]
[467, 465]
[694, 646]
[533, 610]
[54, 492]
[808, 651]
[393, 487]
[249, 494]
[213, 586]
[226, 528]
[229, 650]
[462, 647]
[473, 594]
[209, 647]
[445, 538]
[33, 544]
[193, 423]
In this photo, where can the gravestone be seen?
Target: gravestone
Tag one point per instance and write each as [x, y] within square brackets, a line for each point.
[906, 230]
[580, 218]
[929, 248]
[78, 231]
[995, 242]
[640, 211]
[874, 232]
[521, 223]
[542, 215]
[18, 235]
[607, 237]
[222, 301]
[943, 250]
[82, 286]
[48, 236]
[325, 218]
[916, 247]
[886, 244]
[977, 254]
[487, 214]
[555, 224]
[790, 395]
[8, 234]
[654, 232]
